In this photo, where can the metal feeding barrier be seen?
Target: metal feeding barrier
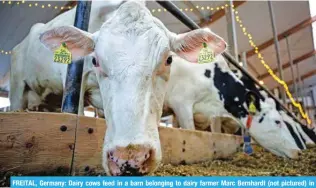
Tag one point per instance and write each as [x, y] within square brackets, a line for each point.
[175, 11]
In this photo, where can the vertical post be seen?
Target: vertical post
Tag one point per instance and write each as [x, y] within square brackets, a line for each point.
[291, 63]
[304, 96]
[75, 69]
[245, 65]
[244, 60]
[231, 30]
[277, 48]
[299, 81]
[276, 92]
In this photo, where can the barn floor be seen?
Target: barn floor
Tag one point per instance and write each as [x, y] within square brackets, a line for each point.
[261, 163]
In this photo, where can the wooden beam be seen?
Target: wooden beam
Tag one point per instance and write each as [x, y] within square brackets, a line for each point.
[303, 77]
[219, 14]
[29, 147]
[177, 145]
[33, 142]
[281, 36]
[287, 65]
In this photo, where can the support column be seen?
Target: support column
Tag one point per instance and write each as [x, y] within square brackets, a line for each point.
[231, 32]
[277, 48]
[276, 93]
[74, 70]
[244, 60]
[292, 67]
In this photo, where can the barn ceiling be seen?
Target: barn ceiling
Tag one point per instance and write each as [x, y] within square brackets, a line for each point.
[16, 20]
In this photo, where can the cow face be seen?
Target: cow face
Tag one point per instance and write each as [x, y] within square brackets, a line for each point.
[270, 131]
[132, 50]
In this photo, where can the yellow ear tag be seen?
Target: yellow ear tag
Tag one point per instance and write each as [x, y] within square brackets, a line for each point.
[252, 107]
[62, 55]
[206, 55]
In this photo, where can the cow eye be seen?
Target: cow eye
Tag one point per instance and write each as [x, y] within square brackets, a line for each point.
[94, 62]
[277, 122]
[169, 60]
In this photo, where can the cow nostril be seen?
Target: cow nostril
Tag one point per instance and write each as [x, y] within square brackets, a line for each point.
[169, 60]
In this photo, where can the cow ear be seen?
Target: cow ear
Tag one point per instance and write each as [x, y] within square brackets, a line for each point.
[188, 45]
[78, 42]
[250, 95]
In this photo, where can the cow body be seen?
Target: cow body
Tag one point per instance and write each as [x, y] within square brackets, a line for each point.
[36, 82]
[212, 90]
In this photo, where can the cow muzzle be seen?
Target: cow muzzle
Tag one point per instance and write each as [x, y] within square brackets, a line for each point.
[133, 160]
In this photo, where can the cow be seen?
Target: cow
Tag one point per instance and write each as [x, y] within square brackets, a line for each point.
[301, 133]
[36, 82]
[132, 55]
[204, 91]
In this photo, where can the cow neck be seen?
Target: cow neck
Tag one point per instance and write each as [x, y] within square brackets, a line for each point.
[231, 92]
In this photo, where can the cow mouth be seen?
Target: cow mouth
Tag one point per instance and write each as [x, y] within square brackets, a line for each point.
[127, 170]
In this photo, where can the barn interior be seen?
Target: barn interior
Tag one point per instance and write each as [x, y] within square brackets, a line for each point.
[250, 25]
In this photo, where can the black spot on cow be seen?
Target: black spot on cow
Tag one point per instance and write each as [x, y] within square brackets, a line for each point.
[207, 73]
[294, 135]
[262, 118]
[228, 89]
[310, 133]
[250, 84]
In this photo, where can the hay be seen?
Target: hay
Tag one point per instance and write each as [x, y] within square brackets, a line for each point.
[261, 163]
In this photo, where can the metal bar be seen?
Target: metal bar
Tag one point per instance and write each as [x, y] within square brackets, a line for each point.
[299, 83]
[174, 10]
[277, 47]
[231, 31]
[291, 64]
[192, 25]
[244, 60]
[74, 70]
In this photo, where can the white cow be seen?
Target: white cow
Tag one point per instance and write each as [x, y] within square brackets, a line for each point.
[36, 82]
[132, 52]
[197, 91]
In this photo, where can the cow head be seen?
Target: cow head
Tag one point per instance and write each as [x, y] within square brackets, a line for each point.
[270, 131]
[132, 51]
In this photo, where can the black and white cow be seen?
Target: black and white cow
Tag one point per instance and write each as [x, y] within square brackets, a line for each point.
[213, 90]
[301, 133]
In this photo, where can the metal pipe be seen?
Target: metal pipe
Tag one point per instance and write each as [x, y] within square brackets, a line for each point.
[174, 10]
[299, 81]
[74, 70]
[291, 63]
[244, 60]
[231, 31]
[277, 47]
